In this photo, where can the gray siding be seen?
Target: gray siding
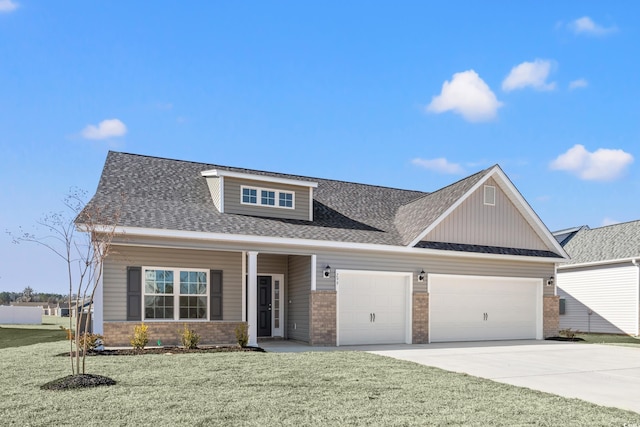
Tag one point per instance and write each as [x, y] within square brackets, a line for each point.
[214, 188]
[376, 261]
[385, 261]
[610, 292]
[115, 275]
[475, 223]
[272, 264]
[298, 294]
[232, 200]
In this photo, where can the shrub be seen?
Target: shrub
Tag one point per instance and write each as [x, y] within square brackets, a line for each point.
[140, 336]
[190, 338]
[242, 334]
[92, 340]
[568, 333]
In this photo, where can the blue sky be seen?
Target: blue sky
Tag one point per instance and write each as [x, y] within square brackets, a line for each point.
[404, 94]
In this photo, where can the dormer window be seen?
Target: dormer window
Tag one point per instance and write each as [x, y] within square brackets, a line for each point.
[267, 197]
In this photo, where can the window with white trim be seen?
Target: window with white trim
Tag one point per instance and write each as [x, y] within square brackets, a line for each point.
[175, 294]
[267, 197]
[489, 195]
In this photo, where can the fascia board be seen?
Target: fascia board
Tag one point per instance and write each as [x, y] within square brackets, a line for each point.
[542, 230]
[254, 177]
[307, 243]
[597, 263]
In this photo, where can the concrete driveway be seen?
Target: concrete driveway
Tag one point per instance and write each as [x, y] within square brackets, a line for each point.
[602, 374]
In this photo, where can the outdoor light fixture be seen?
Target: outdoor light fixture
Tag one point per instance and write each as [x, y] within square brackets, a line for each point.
[327, 272]
[551, 281]
[421, 276]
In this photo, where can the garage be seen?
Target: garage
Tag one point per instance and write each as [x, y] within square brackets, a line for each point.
[373, 307]
[483, 308]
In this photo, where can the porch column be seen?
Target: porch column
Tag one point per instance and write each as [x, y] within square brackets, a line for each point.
[313, 272]
[252, 298]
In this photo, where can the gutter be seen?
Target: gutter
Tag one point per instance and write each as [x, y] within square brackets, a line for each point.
[634, 261]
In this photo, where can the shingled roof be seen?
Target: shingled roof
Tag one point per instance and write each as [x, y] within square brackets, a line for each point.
[171, 194]
[618, 241]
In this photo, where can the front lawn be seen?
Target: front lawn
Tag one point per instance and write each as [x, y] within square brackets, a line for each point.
[609, 339]
[268, 389]
[21, 335]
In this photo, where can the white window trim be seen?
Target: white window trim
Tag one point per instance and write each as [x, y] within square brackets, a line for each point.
[259, 191]
[176, 293]
[491, 188]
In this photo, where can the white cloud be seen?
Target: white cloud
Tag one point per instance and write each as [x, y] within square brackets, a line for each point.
[602, 165]
[609, 221]
[106, 129]
[440, 165]
[8, 6]
[468, 95]
[533, 74]
[579, 83]
[585, 25]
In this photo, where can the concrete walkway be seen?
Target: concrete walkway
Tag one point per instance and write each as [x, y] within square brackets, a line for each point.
[602, 374]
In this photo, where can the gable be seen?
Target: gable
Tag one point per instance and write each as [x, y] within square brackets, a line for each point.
[475, 223]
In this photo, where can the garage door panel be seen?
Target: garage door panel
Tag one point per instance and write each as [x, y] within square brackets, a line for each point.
[361, 294]
[475, 308]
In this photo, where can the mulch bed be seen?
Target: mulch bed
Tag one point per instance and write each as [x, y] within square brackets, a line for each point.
[575, 339]
[77, 381]
[168, 351]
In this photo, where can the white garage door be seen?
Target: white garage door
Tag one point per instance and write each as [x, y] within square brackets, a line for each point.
[373, 307]
[479, 308]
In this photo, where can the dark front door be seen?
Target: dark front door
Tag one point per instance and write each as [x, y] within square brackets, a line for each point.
[264, 306]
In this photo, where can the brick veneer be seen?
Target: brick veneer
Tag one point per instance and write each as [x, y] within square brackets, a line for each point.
[118, 334]
[420, 315]
[551, 316]
[322, 318]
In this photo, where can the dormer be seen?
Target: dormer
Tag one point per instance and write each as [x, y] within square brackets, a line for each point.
[260, 195]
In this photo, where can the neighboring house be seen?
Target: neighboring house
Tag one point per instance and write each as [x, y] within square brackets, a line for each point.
[600, 286]
[47, 309]
[320, 261]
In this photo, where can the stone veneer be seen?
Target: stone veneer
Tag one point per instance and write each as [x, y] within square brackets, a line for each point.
[322, 318]
[118, 334]
[420, 315]
[551, 316]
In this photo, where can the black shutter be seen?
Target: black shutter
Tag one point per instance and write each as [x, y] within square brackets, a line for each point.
[134, 293]
[215, 294]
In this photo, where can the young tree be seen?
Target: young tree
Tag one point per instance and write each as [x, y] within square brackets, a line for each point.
[81, 237]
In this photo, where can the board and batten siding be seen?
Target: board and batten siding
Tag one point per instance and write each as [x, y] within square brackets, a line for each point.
[297, 300]
[115, 275]
[475, 223]
[213, 182]
[610, 292]
[233, 197]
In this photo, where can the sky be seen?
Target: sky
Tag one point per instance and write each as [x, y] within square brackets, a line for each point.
[406, 94]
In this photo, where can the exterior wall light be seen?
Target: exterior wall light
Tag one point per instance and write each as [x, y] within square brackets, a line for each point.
[551, 281]
[421, 276]
[327, 272]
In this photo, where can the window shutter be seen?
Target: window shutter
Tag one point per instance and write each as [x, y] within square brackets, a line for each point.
[215, 294]
[134, 293]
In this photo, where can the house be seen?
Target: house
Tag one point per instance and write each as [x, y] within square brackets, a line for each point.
[317, 260]
[600, 286]
[47, 309]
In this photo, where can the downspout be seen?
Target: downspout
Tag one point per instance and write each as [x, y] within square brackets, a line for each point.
[637, 264]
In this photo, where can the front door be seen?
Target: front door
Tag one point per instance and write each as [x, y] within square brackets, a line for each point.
[264, 306]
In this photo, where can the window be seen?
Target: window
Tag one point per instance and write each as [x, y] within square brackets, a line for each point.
[489, 195]
[176, 294]
[268, 197]
[286, 200]
[249, 195]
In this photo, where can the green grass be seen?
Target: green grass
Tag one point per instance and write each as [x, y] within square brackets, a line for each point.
[319, 388]
[21, 335]
[609, 339]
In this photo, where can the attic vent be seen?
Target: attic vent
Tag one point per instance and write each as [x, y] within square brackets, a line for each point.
[489, 195]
